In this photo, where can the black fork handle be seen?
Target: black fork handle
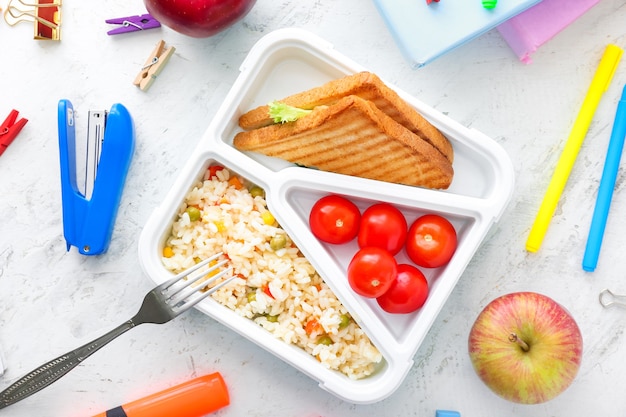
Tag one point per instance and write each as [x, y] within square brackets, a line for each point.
[52, 371]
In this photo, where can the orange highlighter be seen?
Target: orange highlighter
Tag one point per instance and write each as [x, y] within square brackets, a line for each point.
[195, 398]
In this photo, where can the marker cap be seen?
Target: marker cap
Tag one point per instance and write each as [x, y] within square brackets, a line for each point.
[195, 398]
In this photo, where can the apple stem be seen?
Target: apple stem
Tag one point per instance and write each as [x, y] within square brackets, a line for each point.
[513, 338]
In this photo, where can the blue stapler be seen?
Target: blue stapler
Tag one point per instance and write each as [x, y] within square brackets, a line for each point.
[92, 186]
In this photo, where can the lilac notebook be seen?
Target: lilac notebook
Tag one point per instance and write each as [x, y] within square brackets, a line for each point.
[532, 28]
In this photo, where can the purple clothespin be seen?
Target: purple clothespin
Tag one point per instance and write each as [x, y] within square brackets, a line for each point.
[133, 24]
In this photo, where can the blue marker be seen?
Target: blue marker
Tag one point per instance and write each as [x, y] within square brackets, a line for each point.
[447, 413]
[607, 185]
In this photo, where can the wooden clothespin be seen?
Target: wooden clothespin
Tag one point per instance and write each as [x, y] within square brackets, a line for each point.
[153, 66]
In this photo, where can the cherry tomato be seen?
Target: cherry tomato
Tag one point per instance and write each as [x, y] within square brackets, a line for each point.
[431, 241]
[407, 293]
[384, 226]
[334, 219]
[372, 271]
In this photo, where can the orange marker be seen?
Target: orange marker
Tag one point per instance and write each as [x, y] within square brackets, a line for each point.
[195, 398]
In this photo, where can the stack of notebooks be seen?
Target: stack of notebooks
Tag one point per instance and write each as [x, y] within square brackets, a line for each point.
[425, 31]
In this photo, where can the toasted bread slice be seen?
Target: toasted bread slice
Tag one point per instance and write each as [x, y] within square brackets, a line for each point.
[353, 137]
[367, 86]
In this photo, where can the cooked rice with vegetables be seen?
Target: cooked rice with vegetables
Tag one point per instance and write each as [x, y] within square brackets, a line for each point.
[276, 287]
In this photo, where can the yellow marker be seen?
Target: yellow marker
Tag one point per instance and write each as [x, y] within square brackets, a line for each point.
[599, 85]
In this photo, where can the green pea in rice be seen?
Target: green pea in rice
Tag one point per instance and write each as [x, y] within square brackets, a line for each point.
[278, 289]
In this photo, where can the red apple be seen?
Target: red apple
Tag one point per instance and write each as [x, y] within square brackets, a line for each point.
[525, 347]
[198, 18]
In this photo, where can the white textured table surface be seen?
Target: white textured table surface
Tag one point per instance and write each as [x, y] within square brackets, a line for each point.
[52, 301]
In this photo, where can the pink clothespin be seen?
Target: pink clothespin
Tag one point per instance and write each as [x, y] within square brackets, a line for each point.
[133, 24]
[9, 130]
[430, 1]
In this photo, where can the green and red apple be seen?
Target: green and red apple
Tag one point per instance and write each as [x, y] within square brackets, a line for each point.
[198, 18]
[526, 347]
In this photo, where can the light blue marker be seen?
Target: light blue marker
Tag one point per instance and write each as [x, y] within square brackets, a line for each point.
[607, 185]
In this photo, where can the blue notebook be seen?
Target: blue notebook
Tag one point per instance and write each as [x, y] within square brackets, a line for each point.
[426, 31]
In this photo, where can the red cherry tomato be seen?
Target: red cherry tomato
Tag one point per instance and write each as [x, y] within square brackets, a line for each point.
[407, 293]
[431, 241]
[383, 226]
[372, 271]
[334, 219]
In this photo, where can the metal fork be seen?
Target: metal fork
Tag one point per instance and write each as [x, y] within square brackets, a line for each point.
[162, 304]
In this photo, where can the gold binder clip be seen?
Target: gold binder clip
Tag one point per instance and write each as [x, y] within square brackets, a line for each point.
[46, 15]
[153, 66]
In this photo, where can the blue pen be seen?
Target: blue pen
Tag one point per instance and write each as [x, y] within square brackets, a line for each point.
[607, 185]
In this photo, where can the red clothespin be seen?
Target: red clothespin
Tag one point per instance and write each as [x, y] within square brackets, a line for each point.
[430, 1]
[9, 130]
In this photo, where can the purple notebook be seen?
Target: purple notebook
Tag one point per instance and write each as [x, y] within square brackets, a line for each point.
[532, 28]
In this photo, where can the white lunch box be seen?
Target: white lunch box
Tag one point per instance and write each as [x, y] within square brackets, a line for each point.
[288, 61]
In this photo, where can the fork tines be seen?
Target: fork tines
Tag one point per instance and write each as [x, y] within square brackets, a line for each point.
[194, 285]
